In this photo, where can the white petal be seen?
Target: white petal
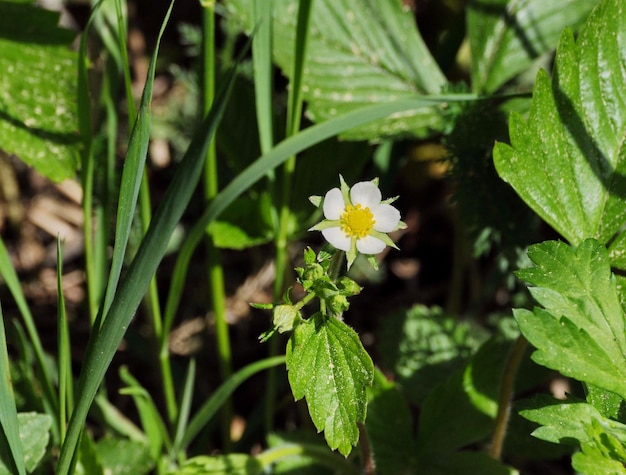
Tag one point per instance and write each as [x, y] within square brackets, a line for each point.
[337, 238]
[386, 218]
[333, 204]
[369, 245]
[366, 194]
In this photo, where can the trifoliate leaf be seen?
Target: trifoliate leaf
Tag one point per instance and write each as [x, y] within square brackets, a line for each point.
[359, 52]
[567, 161]
[581, 332]
[38, 112]
[329, 367]
[506, 37]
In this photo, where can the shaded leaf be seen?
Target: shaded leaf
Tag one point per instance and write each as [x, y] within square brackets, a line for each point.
[389, 429]
[567, 161]
[507, 36]
[328, 366]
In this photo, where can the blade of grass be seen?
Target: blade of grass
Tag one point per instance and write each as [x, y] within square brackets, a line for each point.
[132, 172]
[10, 443]
[151, 420]
[103, 345]
[263, 71]
[66, 395]
[85, 128]
[185, 410]
[210, 407]
[12, 281]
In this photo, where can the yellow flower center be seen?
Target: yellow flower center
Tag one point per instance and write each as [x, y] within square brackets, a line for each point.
[357, 222]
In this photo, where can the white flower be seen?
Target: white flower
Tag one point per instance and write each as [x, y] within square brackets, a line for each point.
[358, 220]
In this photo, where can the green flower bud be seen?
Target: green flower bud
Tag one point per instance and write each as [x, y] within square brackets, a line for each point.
[313, 272]
[337, 304]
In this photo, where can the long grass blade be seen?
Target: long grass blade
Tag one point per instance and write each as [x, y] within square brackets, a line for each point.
[66, 395]
[10, 443]
[102, 346]
[210, 407]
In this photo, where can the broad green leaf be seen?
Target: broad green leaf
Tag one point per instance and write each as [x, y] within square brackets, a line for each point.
[506, 36]
[246, 223]
[567, 161]
[233, 464]
[389, 428]
[581, 332]
[123, 456]
[422, 346]
[34, 435]
[328, 366]
[359, 52]
[38, 112]
[604, 453]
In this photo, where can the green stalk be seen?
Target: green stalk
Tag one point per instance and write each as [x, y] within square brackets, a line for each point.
[506, 394]
[294, 114]
[211, 188]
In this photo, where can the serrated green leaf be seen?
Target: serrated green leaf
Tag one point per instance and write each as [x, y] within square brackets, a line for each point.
[328, 366]
[507, 36]
[566, 422]
[232, 464]
[38, 112]
[567, 160]
[359, 52]
[581, 333]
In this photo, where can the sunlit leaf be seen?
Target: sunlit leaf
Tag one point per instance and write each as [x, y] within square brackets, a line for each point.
[581, 331]
[568, 160]
[38, 111]
[329, 367]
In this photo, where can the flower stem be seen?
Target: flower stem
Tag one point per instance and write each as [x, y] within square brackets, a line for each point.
[506, 393]
[336, 265]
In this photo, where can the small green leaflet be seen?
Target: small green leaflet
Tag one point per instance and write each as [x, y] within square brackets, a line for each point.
[329, 367]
